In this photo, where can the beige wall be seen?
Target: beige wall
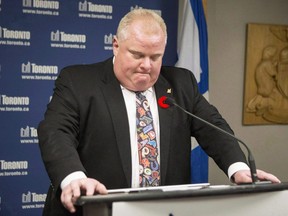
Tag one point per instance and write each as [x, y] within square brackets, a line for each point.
[227, 21]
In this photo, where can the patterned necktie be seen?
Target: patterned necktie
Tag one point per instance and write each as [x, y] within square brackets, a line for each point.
[147, 146]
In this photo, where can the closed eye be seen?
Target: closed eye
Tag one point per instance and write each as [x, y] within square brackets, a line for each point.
[139, 55]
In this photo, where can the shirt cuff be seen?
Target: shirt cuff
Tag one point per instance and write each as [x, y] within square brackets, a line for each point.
[235, 167]
[73, 176]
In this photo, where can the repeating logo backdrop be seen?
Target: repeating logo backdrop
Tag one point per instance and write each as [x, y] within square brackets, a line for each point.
[37, 39]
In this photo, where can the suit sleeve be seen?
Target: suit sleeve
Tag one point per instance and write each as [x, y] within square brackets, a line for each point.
[222, 148]
[59, 130]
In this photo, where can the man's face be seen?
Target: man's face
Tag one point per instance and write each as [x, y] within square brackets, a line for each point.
[138, 57]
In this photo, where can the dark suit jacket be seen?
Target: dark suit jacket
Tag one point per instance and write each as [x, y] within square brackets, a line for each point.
[86, 129]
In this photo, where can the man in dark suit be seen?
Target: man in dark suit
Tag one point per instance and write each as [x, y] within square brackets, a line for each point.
[88, 136]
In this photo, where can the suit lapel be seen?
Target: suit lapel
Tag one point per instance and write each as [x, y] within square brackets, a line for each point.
[163, 88]
[116, 105]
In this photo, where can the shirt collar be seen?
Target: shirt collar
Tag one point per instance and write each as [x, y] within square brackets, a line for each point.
[150, 90]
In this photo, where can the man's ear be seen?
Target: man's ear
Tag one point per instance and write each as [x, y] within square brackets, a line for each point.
[115, 46]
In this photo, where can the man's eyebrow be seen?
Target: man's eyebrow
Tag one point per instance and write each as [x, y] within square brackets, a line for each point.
[140, 53]
[135, 52]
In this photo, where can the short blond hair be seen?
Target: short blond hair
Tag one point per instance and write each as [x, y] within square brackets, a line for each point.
[128, 19]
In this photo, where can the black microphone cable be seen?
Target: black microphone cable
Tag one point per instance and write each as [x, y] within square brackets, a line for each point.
[251, 161]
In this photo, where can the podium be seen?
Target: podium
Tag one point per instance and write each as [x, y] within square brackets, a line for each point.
[217, 200]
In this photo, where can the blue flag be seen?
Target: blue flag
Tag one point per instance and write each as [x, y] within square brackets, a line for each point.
[193, 55]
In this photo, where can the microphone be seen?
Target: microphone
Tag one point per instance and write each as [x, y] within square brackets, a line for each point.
[166, 102]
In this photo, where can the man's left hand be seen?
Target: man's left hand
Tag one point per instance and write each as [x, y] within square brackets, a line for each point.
[244, 176]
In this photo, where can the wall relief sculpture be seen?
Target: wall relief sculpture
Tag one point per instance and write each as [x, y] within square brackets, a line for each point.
[266, 76]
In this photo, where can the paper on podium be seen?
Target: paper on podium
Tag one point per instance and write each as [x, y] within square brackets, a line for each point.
[160, 188]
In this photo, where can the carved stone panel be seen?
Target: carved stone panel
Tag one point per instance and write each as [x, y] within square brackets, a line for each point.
[266, 75]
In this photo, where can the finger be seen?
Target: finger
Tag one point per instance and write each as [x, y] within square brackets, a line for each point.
[243, 180]
[267, 176]
[95, 186]
[242, 177]
[101, 189]
[76, 188]
[66, 199]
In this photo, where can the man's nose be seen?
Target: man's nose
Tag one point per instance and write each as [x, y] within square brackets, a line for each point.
[146, 63]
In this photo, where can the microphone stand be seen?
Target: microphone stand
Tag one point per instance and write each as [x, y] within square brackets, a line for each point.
[251, 160]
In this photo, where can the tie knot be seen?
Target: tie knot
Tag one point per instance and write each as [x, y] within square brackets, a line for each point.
[140, 95]
[138, 92]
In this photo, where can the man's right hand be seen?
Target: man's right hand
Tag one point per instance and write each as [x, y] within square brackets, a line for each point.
[72, 191]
